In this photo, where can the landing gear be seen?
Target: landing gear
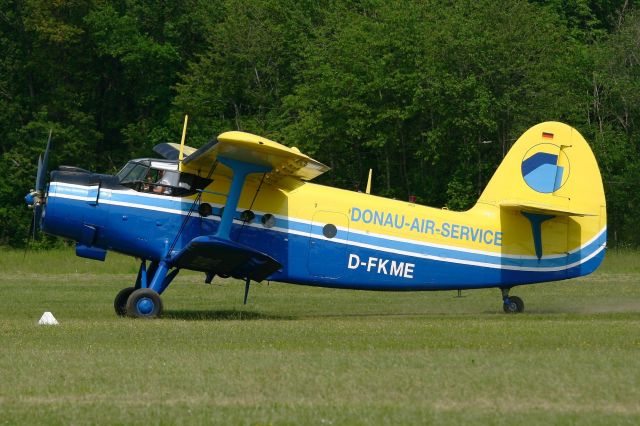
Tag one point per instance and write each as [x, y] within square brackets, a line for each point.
[143, 300]
[514, 305]
[120, 302]
[144, 303]
[511, 304]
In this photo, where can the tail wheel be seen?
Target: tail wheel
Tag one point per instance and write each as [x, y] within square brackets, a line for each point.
[144, 303]
[120, 302]
[513, 305]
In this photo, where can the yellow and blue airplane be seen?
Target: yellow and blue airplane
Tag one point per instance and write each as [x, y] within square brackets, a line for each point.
[242, 206]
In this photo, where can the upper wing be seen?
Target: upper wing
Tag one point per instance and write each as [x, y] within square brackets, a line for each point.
[249, 148]
[171, 151]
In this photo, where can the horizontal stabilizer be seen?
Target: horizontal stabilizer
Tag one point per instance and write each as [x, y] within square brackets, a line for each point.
[224, 257]
[555, 210]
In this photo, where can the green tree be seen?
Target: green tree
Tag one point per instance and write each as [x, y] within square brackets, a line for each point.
[245, 69]
[413, 89]
[428, 94]
[99, 73]
[614, 116]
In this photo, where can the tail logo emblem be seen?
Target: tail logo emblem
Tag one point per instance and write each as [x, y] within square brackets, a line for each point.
[545, 168]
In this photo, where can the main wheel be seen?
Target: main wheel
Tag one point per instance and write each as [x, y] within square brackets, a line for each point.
[144, 303]
[515, 305]
[120, 302]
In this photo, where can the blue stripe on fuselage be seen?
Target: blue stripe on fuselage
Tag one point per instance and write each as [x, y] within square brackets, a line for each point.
[423, 274]
[149, 235]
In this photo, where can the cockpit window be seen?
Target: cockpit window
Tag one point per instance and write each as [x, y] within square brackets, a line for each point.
[152, 177]
[132, 172]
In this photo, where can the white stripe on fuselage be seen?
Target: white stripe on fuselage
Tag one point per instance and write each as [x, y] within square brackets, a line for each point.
[337, 240]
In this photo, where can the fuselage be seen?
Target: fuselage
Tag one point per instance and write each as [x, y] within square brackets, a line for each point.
[326, 236]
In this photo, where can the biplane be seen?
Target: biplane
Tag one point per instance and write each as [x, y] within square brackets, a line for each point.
[243, 206]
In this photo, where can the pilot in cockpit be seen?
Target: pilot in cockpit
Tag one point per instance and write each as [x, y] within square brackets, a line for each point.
[162, 185]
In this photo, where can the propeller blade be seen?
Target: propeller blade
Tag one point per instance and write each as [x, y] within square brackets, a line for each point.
[32, 229]
[43, 174]
[31, 236]
[39, 174]
[37, 217]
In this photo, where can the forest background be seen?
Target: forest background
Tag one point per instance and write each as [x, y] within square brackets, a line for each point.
[429, 94]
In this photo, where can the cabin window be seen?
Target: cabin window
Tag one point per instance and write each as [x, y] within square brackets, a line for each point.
[205, 209]
[157, 178]
[268, 220]
[329, 230]
[132, 172]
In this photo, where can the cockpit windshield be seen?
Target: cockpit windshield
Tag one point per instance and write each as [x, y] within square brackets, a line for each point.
[132, 172]
[159, 177]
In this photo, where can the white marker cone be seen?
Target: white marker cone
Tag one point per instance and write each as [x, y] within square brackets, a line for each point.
[48, 319]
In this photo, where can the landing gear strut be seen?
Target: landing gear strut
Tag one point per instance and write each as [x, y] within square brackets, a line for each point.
[511, 304]
[143, 300]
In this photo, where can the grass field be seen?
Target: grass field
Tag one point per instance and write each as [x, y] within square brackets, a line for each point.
[302, 355]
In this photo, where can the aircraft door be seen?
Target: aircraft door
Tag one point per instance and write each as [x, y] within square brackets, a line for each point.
[328, 244]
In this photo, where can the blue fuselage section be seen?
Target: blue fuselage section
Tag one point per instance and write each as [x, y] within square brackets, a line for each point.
[152, 227]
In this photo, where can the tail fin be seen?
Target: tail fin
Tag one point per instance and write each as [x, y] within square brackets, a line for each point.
[550, 174]
[550, 168]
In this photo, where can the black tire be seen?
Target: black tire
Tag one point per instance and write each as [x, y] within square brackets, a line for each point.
[120, 302]
[144, 303]
[515, 305]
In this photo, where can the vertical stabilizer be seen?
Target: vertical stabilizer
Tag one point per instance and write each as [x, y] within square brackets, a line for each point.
[550, 196]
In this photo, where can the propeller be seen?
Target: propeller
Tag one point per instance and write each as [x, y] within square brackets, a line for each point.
[42, 167]
[36, 198]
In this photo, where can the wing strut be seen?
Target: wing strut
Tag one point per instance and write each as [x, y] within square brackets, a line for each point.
[196, 201]
[240, 172]
[217, 253]
[249, 219]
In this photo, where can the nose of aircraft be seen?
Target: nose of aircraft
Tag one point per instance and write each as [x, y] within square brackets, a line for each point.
[30, 199]
[36, 198]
